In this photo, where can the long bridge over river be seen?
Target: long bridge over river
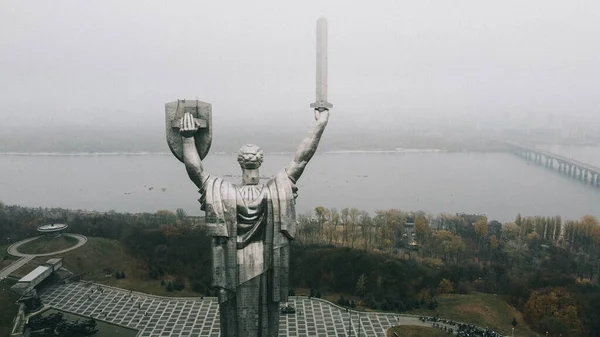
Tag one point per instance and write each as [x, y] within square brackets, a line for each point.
[583, 172]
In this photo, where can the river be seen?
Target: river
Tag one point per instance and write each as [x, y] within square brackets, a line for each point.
[500, 185]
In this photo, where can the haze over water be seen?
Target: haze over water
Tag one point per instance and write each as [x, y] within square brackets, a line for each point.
[500, 185]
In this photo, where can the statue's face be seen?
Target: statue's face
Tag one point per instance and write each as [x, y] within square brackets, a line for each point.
[250, 157]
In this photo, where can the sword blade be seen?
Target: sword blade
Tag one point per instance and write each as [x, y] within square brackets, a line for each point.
[321, 94]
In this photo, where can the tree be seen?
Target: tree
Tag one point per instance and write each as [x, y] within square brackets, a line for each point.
[514, 322]
[366, 225]
[445, 286]
[334, 220]
[361, 284]
[553, 307]
[353, 215]
[322, 215]
[56, 325]
[166, 217]
[510, 231]
[494, 243]
[421, 229]
[170, 287]
[181, 215]
[481, 227]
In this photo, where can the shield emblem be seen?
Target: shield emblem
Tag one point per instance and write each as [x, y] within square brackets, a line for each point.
[202, 112]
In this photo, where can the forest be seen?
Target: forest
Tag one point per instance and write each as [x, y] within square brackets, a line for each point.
[392, 260]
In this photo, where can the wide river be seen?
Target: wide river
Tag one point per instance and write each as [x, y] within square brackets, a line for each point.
[500, 185]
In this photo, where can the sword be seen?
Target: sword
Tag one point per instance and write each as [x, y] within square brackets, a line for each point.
[321, 99]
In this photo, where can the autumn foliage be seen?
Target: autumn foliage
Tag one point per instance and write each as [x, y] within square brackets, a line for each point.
[554, 310]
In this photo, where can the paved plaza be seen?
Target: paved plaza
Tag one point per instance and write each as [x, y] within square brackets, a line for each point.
[196, 316]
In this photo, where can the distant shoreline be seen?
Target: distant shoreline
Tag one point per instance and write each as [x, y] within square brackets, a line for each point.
[75, 154]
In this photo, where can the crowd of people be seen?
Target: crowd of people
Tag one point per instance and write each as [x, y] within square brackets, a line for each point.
[461, 329]
[468, 330]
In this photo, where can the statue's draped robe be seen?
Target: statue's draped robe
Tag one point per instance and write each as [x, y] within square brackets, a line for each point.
[252, 227]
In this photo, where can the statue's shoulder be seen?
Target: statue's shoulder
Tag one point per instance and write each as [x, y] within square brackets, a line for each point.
[210, 181]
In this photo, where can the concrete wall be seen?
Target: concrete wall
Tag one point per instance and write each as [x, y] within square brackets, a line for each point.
[19, 322]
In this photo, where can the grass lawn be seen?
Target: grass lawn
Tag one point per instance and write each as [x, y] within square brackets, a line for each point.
[415, 331]
[484, 310]
[5, 258]
[104, 329]
[8, 308]
[29, 266]
[101, 257]
[43, 245]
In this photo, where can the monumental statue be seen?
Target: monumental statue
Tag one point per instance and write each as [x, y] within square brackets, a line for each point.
[252, 224]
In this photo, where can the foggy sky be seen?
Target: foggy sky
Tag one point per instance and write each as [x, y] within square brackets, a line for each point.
[117, 62]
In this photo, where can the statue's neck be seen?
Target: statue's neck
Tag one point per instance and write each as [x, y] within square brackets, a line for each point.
[250, 176]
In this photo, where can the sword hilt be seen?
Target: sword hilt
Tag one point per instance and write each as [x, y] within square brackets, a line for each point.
[321, 104]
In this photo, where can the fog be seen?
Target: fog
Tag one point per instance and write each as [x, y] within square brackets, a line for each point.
[113, 64]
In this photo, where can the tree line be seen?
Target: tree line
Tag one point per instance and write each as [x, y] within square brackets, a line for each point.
[390, 260]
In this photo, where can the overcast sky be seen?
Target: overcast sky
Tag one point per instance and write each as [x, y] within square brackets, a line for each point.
[115, 61]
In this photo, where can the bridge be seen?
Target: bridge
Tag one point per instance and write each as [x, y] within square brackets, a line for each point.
[583, 172]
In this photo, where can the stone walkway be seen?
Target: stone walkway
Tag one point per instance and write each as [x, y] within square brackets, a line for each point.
[195, 316]
[14, 266]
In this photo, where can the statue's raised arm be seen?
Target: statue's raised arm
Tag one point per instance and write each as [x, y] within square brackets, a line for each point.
[309, 145]
[191, 159]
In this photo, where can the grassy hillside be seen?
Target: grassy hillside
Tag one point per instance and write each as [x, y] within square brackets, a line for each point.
[415, 331]
[5, 258]
[44, 245]
[484, 310]
[8, 308]
[100, 258]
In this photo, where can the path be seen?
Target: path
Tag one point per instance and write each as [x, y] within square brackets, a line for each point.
[196, 316]
[14, 266]
[24, 258]
[14, 248]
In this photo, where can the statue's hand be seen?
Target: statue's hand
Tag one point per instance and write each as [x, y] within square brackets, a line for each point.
[322, 115]
[187, 126]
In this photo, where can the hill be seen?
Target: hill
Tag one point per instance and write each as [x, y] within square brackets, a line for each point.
[101, 258]
[484, 310]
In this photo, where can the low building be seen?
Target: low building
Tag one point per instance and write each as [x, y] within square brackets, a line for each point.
[28, 282]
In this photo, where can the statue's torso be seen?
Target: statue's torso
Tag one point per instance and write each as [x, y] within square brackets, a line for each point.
[251, 206]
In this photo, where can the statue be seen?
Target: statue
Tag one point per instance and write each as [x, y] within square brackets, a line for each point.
[251, 224]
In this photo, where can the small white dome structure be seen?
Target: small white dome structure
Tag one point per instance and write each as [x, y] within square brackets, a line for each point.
[52, 229]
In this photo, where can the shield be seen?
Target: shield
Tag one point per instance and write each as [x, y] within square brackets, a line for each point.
[202, 112]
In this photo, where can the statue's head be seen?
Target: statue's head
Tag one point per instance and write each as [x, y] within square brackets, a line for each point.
[250, 156]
